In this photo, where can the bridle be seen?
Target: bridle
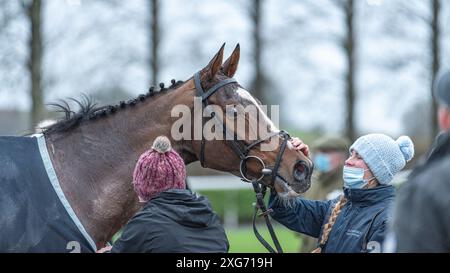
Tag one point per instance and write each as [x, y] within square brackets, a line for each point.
[239, 148]
[242, 150]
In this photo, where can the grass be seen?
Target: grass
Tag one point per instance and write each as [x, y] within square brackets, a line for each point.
[243, 240]
[239, 201]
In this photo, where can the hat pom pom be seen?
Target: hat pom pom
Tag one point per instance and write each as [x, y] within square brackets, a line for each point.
[406, 147]
[161, 145]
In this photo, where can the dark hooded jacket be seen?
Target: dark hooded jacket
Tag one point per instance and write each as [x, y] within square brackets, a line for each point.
[174, 221]
[422, 217]
[359, 227]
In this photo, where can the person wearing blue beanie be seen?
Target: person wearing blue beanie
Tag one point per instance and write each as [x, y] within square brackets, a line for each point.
[383, 156]
[357, 220]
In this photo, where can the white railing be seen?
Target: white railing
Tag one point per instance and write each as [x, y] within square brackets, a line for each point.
[217, 182]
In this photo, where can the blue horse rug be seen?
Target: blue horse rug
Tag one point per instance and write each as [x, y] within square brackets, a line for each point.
[35, 216]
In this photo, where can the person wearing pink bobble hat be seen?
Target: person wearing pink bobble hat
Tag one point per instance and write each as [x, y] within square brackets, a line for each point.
[173, 218]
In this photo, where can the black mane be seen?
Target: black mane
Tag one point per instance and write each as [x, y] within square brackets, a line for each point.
[88, 109]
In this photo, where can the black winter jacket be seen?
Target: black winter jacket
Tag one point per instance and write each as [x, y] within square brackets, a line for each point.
[174, 221]
[422, 213]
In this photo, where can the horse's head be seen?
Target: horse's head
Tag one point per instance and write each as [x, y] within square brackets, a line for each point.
[245, 140]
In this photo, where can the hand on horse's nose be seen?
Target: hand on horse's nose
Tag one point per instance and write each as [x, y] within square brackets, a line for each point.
[301, 171]
[300, 146]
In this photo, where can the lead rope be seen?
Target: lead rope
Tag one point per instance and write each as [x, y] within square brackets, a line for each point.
[265, 213]
[260, 191]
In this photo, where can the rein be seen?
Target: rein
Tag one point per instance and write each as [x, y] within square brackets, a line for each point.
[242, 153]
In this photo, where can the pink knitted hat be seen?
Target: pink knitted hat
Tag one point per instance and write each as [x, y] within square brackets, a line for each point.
[158, 169]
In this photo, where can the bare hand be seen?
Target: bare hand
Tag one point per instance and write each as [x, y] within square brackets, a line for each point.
[105, 249]
[300, 146]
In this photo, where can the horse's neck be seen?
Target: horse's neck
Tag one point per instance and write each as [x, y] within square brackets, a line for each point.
[95, 162]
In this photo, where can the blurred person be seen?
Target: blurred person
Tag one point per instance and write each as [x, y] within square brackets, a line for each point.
[329, 155]
[421, 216]
[355, 221]
[173, 218]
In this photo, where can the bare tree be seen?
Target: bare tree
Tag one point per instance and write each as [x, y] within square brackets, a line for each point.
[33, 12]
[154, 39]
[346, 39]
[435, 56]
[349, 48]
[259, 79]
[433, 23]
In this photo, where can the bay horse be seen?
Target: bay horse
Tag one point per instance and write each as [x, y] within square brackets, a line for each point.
[94, 151]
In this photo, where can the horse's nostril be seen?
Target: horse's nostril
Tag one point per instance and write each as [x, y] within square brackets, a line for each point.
[301, 171]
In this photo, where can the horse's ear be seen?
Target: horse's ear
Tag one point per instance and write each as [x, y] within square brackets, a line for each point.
[231, 64]
[215, 64]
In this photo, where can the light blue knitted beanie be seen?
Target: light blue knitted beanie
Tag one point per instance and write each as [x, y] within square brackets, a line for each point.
[384, 156]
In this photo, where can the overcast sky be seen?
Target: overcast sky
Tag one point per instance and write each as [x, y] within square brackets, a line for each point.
[94, 46]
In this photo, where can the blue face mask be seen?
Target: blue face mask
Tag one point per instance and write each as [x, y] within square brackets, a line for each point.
[353, 178]
[322, 162]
